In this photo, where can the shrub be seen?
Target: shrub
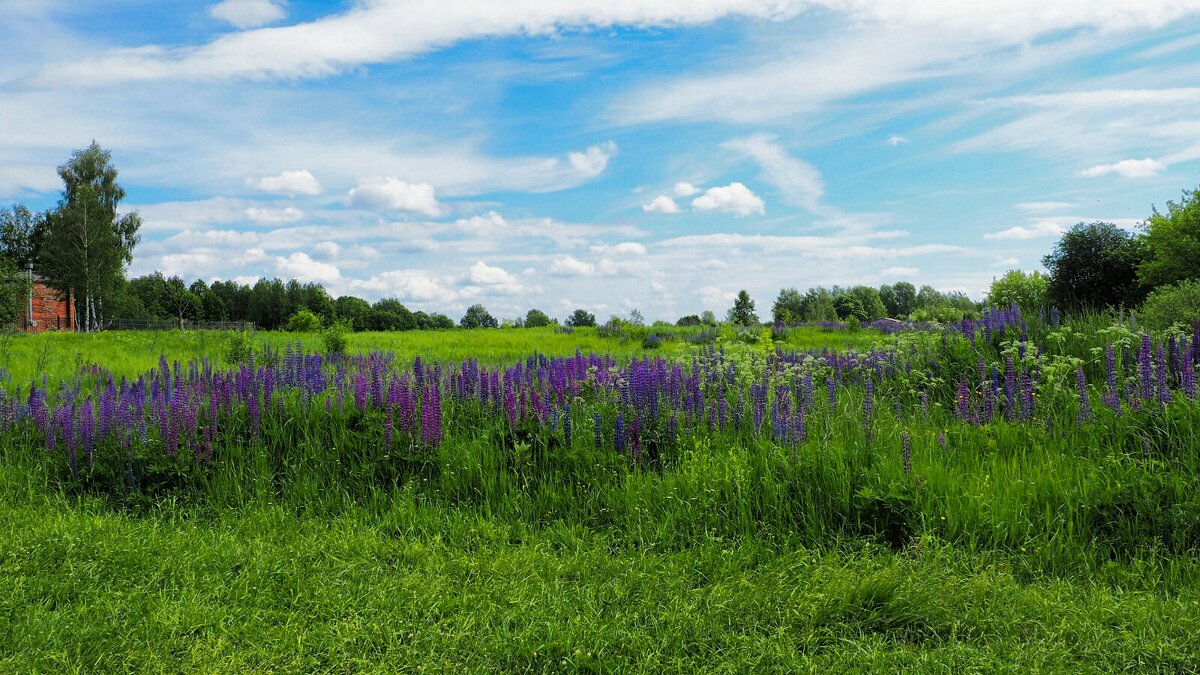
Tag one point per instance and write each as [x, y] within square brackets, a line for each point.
[238, 347]
[334, 338]
[1168, 305]
[581, 317]
[303, 321]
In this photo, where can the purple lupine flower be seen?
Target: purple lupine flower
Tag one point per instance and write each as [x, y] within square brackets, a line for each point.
[962, 399]
[431, 417]
[941, 439]
[869, 403]
[1054, 317]
[831, 389]
[1027, 397]
[620, 432]
[1145, 370]
[1189, 375]
[1164, 391]
[1010, 388]
[566, 424]
[1085, 408]
[906, 452]
[925, 406]
[598, 430]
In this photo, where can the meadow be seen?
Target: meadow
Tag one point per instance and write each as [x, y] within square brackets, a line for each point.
[1017, 493]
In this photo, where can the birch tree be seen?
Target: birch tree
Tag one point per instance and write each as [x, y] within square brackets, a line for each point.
[86, 244]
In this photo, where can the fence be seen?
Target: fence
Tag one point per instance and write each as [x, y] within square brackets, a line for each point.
[172, 324]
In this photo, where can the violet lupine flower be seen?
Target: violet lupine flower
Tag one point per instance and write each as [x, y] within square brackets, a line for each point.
[1112, 397]
[869, 403]
[1085, 408]
[1010, 388]
[1054, 317]
[1145, 370]
[941, 439]
[566, 424]
[906, 452]
[431, 417]
[598, 430]
[831, 389]
[962, 400]
[925, 406]
[1164, 391]
[672, 430]
[1027, 397]
[1189, 375]
[620, 432]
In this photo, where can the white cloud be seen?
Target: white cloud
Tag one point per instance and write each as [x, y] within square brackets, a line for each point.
[714, 264]
[593, 161]
[1129, 168]
[714, 298]
[406, 284]
[289, 214]
[391, 193]
[1008, 263]
[685, 189]
[326, 250]
[482, 224]
[248, 13]
[732, 198]
[624, 248]
[900, 272]
[570, 266]
[1043, 206]
[661, 204]
[494, 277]
[1041, 228]
[303, 268]
[896, 139]
[797, 181]
[291, 183]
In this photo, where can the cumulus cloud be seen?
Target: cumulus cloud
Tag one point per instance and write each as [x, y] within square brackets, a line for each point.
[685, 189]
[713, 297]
[291, 183]
[732, 198]
[570, 266]
[900, 272]
[407, 284]
[495, 278]
[248, 13]
[289, 214]
[896, 139]
[482, 223]
[326, 250]
[661, 204]
[1129, 168]
[303, 268]
[1041, 228]
[625, 248]
[594, 160]
[393, 194]
[798, 181]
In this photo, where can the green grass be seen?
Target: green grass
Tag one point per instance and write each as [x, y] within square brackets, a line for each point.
[309, 547]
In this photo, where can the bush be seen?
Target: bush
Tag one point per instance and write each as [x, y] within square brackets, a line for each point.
[303, 321]
[581, 317]
[1168, 305]
[334, 338]
[238, 347]
[1028, 291]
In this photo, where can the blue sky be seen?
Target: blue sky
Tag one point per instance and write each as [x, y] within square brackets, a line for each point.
[657, 155]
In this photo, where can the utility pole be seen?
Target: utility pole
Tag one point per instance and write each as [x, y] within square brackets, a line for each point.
[29, 269]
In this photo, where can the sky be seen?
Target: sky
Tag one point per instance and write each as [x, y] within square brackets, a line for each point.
[649, 154]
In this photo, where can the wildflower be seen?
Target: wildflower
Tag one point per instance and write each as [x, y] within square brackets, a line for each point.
[1085, 409]
[906, 452]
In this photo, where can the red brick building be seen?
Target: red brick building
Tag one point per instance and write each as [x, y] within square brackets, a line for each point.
[50, 312]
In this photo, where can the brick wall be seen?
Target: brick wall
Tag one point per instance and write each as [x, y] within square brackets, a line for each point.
[49, 311]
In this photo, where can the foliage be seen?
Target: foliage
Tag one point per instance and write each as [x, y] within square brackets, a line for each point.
[849, 305]
[19, 230]
[688, 321]
[353, 311]
[477, 317]
[636, 318]
[581, 318]
[1172, 243]
[742, 311]
[239, 347]
[333, 338]
[1178, 304]
[899, 299]
[788, 307]
[1029, 291]
[303, 321]
[536, 318]
[1095, 266]
[85, 245]
[708, 318]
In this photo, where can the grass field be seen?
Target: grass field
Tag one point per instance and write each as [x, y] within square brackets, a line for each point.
[906, 511]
